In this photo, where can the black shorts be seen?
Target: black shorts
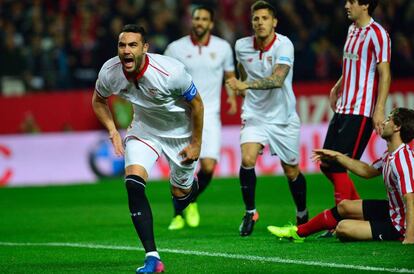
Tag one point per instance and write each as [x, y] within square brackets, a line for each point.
[348, 134]
[377, 213]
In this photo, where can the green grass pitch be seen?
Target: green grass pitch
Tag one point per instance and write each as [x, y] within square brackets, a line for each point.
[87, 229]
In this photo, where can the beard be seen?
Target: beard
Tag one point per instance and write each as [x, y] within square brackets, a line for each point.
[199, 32]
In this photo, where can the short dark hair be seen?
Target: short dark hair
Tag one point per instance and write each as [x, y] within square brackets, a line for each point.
[258, 5]
[135, 29]
[404, 118]
[204, 7]
[372, 4]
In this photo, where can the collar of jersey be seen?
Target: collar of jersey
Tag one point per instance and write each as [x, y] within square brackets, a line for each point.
[136, 75]
[267, 47]
[196, 43]
[369, 24]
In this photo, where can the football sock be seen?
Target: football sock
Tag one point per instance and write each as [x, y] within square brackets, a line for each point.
[180, 203]
[140, 211]
[203, 181]
[344, 188]
[298, 189]
[248, 186]
[326, 220]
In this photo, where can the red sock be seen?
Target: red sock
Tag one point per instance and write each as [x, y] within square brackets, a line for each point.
[323, 221]
[344, 188]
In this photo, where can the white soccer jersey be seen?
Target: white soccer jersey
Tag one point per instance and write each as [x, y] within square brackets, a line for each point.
[271, 105]
[206, 64]
[398, 173]
[157, 96]
[364, 49]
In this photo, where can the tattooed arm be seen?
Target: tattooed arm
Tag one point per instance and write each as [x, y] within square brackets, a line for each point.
[274, 81]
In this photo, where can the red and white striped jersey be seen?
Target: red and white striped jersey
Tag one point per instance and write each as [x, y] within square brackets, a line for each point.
[398, 172]
[364, 49]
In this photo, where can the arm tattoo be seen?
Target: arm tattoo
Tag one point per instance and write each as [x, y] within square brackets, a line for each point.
[274, 81]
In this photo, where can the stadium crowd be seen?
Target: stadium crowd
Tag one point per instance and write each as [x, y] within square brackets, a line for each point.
[58, 45]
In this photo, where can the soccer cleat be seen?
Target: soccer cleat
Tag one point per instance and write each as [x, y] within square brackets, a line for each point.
[177, 223]
[327, 234]
[151, 265]
[248, 221]
[289, 232]
[192, 217]
[300, 220]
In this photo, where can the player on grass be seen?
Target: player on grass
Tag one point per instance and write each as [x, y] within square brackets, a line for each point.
[207, 58]
[362, 220]
[265, 62]
[168, 119]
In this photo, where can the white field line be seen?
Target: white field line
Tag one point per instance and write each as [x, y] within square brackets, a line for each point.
[221, 255]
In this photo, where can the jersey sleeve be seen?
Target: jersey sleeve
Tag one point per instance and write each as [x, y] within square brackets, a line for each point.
[169, 51]
[404, 164]
[236, 49]
[228, 59]
[377, 164]
[382, 45]
[102, 86]
[182, 84]
[285, 53]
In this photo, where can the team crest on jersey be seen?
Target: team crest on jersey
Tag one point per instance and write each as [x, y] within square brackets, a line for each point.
[213, 55]
[153, 91]
[250, 60]
[269, 59]
[189, 56]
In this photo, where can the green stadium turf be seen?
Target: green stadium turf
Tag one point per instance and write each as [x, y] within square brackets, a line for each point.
[87, 229]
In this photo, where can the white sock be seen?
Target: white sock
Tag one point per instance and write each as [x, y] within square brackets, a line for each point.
[251, 211]
[153, 253]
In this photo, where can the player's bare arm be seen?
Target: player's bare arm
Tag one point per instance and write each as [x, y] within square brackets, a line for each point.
[101, 109]
[409, 232]
[274, 81]
[357, 167]
[334, 94]
[231, 93]
[191, 152]
[384, 82]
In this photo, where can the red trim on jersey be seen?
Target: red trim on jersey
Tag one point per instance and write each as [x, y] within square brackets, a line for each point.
[163, 72]
[358, 140]
[135, 75]
[198, 43]
[142, 141]
[410, 172]
[400, 203]
[265, 48]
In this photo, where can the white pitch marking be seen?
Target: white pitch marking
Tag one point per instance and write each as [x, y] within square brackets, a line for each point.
[222, 255]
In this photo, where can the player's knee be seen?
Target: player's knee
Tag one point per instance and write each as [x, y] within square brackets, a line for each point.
[179, 192]
[208, 167]
[344, 208]
[343, 230]
[248, 161]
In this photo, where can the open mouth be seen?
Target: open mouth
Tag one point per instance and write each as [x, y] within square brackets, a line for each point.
[128, 62]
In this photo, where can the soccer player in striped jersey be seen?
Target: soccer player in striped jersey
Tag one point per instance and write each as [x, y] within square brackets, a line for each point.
[358, 97]
[168, 119]
[381, 220]
[207, 59]
[265, 62]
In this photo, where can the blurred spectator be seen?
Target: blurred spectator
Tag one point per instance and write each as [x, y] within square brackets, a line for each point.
[77, 34]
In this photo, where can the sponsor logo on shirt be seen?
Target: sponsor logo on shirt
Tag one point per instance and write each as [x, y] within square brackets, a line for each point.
[285, 59]
[189, 56]
[250, 60]
[351, 56]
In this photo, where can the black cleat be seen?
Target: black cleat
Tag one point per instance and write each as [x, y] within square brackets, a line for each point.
[248, 221]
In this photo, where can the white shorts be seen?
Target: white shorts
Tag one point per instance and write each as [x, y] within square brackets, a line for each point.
[144, 149]
[283, 140]
[211, 144]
